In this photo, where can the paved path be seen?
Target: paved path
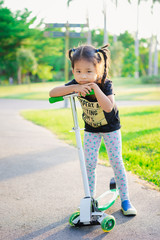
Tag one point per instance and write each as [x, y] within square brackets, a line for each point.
[41, 185]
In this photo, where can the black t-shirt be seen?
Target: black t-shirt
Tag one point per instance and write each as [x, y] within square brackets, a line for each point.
[95, 118]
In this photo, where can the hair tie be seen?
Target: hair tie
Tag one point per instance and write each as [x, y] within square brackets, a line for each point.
[73, 49]
[97, 50]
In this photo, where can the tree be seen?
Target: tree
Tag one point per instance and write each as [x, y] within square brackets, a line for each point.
[117, 54]
[143, 57]
[155, 69]
[105, 39]
[26, 63]
[155, 64]
[129, 59]
[150, 56]
[17, 35]
[151, 41]
[137, 43]
[127, 39]
[44, 72]
[14, 29]
[7, 46]
[97, 37]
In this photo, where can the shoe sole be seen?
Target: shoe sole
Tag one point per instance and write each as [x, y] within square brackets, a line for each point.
[129, 212]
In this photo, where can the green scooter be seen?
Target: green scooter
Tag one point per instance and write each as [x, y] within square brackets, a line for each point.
[90, 212]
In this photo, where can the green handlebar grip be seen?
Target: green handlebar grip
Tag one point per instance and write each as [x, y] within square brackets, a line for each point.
[55, 99]
[58, 99]
[91, 93]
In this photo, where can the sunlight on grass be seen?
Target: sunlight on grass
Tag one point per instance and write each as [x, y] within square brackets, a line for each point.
[27, 91]
[140, 135]
[148, 93]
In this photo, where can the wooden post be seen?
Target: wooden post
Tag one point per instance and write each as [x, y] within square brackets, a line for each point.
[66, 61]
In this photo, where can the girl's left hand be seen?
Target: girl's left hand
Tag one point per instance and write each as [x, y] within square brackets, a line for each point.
[92, 85]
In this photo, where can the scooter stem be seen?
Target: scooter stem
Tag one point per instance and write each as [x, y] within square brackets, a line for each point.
[79, 146]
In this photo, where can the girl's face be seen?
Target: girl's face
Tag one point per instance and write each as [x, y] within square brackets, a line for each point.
[84, 71]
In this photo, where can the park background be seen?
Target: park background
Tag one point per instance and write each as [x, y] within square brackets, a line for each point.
[32, 62]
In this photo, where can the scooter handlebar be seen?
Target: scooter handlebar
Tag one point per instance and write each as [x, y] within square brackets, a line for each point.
[61, 98]
[55, 99]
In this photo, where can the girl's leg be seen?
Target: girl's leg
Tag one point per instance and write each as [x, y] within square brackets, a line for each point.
[113, 145]
[91, 147]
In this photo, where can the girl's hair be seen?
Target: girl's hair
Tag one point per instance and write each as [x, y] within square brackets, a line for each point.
[96, 56]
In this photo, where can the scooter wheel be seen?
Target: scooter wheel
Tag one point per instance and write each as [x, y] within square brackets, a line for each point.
[108, 223]
[73, 217]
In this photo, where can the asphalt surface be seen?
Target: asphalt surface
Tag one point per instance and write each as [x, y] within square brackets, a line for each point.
[41, 185]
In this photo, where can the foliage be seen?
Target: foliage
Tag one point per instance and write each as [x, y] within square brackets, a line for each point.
[143, 57]
[127, 39]
[129, 59]
[26, 63]
[117, 53]
[44, 72]
[17, 32]
[26, 60]
[97, 37]
[14, 29]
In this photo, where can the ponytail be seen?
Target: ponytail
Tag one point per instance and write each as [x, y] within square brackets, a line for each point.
[70, 55]
[105, 52]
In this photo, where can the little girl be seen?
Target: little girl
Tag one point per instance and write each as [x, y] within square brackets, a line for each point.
[100, 114]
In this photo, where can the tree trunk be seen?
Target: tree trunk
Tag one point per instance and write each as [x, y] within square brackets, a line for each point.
[116, 11]
[19, 75]
[155, 67]
[150, 57]
[137, 44]
[89, 36]
[137, 56]
[105, 41]
[115, 38]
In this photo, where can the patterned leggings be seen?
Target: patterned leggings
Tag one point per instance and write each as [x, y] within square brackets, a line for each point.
[113, 145]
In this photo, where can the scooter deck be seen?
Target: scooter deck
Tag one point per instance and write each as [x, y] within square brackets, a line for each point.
[115, 194]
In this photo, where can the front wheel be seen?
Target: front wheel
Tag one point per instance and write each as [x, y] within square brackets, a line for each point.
[108, 223]
[73, 217]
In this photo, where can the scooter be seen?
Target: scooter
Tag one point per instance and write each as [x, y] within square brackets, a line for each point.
[90, 213]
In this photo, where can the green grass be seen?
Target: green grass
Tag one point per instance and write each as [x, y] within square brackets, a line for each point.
[133, 89]
[35, 91]
[140, 135]
[124, 88]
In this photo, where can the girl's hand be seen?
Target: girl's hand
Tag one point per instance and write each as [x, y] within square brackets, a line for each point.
[82, 89]
[93, 85]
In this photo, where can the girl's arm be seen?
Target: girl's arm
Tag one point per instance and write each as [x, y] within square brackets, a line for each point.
[64, 90]
[61, 91]
[106, 102]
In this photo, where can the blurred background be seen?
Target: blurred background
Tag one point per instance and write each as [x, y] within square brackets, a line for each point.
[35, 36]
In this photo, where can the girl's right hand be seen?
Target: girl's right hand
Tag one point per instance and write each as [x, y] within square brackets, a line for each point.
[82, 89]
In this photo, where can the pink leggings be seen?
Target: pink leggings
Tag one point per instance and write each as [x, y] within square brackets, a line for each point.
[113, 145]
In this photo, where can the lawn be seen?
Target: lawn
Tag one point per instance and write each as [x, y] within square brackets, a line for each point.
[35, 91]
[140, 135]
[125, 89]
